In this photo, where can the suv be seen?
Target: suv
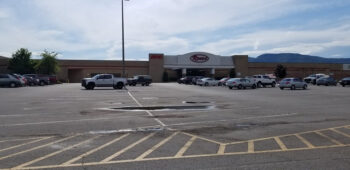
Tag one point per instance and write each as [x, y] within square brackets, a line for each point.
[144, 80]
[263, 80]
[9, 80]
[313, 78]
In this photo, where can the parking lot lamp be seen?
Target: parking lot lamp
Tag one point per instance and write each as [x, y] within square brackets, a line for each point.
[123, 50]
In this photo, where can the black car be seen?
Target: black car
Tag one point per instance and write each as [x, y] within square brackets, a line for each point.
[195, 78]
[144, 80]
[345, 81]
[185, 80]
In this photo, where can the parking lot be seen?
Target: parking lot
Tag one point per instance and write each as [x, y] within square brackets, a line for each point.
[174, 126]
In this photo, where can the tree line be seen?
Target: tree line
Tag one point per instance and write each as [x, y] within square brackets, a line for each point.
[22, 63]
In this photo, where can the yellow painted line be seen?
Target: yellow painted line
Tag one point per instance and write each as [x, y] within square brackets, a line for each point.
[12, 140]
[95, 150]
[329, 138]
[127, 148]
[27, 143]
[307, 143]
[38, 147]
[199, 137]
[292, 134]
[142, 156]
[182, 157]
[185, 147]
[54, 153]
[250, 146]
[339, 132]
[221, 149]
[280, 143]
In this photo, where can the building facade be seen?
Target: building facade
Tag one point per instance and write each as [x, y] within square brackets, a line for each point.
[194, 63]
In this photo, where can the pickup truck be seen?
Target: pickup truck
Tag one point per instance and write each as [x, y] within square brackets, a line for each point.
[263, 80]
[144, 80]
[103, 80]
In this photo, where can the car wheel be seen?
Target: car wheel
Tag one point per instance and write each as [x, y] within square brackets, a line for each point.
[219, 84]
[318, 84]
[147, 84]
[281, 88]
[305, 87]
[118, 86]
[327, 84]
[273, 84]
[42, 83]
[230, 87]
[12, 84]
[259, 85]
[90, 86]
[292, 87]
[254, 86]
[343, 85]
[206, 84]
[239, 86]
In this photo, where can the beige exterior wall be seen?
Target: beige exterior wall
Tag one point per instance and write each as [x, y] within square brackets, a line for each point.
[241, 65]
[3, 64]
[300, 69]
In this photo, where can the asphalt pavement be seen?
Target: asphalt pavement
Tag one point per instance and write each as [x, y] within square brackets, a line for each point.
[173, 126]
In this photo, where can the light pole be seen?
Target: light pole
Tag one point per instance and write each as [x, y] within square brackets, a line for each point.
[123, 50]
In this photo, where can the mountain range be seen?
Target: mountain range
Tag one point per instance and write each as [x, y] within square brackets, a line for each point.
[296, 58]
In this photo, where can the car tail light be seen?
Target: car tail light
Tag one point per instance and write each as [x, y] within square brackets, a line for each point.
[233, 82]
[287, 82]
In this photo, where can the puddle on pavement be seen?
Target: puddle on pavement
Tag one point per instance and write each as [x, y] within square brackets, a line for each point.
[162, 108]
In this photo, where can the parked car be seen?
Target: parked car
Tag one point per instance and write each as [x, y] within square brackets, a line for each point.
[241, 83]
[345, 81]
[222, 82]
[264, 80]
[207, 82]
[52, 79]
[43, 79]
[31, 81]
[144, 80]
[103, 80]
[313, 78]
[22, 79]
[9, 80]
[292, 83]
[185, 80]
[326, 81]
[195, 78]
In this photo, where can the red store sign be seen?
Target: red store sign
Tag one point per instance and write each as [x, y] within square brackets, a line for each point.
[199, 58]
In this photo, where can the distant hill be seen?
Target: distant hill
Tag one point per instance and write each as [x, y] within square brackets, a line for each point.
[296, 58]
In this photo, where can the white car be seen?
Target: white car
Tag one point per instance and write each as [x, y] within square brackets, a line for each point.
[240, 83]
[292, 83]
[207, 82]
[313, 78]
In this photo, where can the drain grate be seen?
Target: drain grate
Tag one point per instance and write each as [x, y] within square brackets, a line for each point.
[162, 108]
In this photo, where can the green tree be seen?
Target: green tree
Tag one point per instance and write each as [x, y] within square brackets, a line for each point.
[48, 64]
[280, 71]
[21, 62]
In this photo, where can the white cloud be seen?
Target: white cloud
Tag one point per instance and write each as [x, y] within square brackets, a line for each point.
[158, 26]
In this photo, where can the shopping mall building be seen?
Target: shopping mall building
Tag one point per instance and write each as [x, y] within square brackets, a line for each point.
[194, 63]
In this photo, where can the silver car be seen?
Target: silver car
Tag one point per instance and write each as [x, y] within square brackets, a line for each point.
[207, 82]
[293, 83]
[240, 83]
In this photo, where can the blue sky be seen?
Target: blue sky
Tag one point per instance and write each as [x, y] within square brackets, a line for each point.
[91, 29]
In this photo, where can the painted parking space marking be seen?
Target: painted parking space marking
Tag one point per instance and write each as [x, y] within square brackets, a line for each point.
[26, 143]
[252, 146]
[148, 112]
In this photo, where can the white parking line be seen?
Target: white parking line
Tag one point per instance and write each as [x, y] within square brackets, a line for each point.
[149, 113]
